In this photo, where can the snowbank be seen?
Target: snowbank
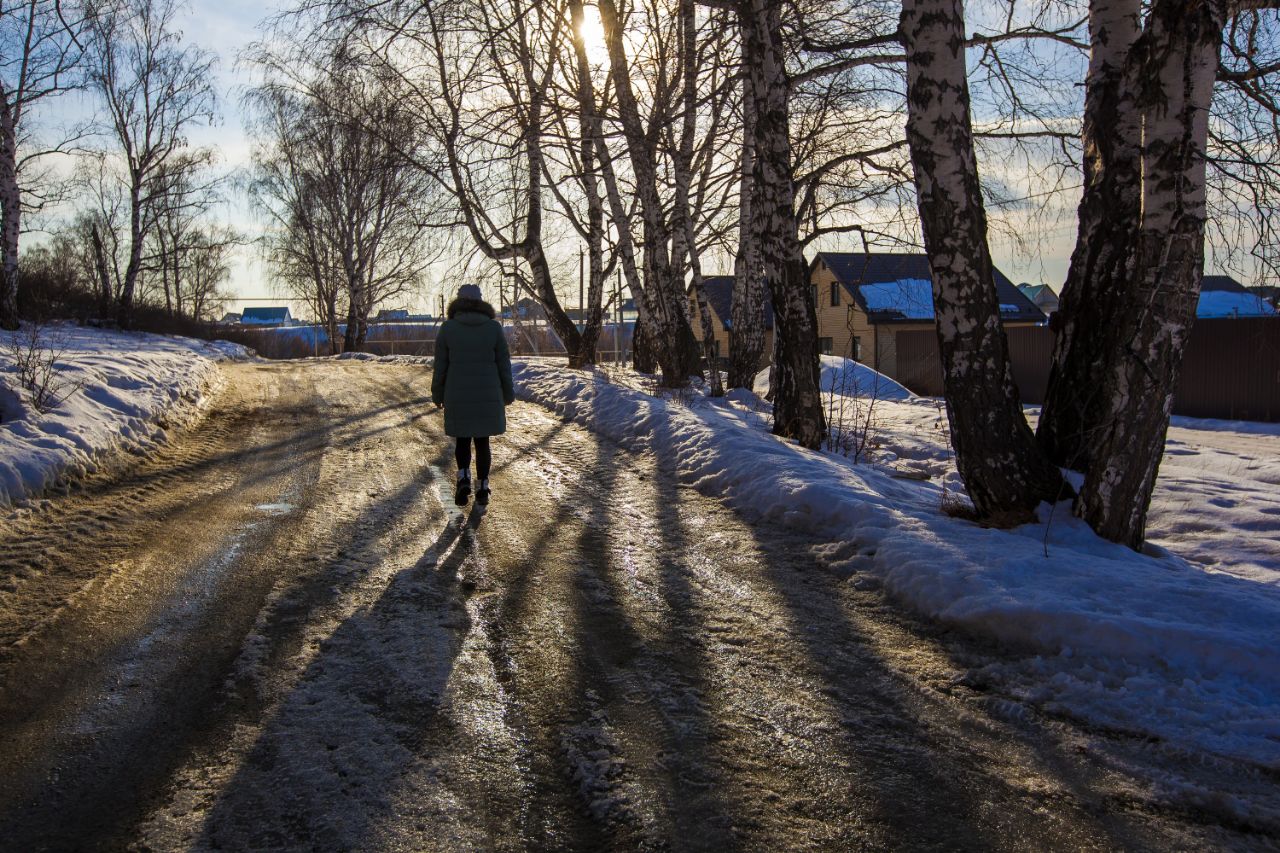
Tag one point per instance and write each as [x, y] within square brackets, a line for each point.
[131, 389]
[1147, 643]
[846, 377]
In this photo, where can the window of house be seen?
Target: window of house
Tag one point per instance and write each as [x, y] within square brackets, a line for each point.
[835, 294]
[825, 346]
[857, 348]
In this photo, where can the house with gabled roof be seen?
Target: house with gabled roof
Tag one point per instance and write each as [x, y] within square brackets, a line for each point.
[266, 317]
[864, 300]
[719, 289]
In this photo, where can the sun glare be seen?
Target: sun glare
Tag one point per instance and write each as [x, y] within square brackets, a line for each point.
[592, 32]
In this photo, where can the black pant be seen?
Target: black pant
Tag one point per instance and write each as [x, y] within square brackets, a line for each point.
[484, 459]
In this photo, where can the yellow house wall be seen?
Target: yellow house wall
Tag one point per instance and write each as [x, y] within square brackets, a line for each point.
[843, 322]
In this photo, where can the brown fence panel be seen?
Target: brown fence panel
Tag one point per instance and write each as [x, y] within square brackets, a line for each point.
[919, 367]
[1030, 356]
[1231, 368]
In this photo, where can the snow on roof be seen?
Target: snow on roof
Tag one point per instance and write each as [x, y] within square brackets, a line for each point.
[1224, 303]
[856, 269]
[912, 298]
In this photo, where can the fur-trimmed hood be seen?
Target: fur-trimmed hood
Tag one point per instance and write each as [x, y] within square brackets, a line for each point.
[479, 306]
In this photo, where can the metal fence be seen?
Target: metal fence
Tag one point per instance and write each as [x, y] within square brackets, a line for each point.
[1231, 367]
[417, 339]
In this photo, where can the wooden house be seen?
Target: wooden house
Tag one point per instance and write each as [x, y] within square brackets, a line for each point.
[864, 300]
[719, 289]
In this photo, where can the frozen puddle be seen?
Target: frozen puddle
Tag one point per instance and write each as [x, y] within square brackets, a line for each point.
[276, 508]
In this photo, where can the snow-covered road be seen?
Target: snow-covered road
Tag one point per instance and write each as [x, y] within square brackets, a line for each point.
[280, 634]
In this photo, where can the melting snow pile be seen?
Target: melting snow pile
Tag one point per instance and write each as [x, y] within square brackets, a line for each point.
[123, 391]
[846, 377]
[1155, 643]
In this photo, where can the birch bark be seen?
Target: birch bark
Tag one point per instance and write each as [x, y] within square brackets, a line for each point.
[683, 174]
[10, 214]
[996, 453]
[797, 405]
[1174, 65]
[747, 336]
[668, 321]
[1103, 261]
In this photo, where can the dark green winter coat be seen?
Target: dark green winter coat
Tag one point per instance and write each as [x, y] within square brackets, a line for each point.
[472, 377]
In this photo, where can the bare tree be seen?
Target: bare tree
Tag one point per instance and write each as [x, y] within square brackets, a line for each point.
[153, 89]
[1131, 296]
[39, 59]
[665, 314]
[350, 203]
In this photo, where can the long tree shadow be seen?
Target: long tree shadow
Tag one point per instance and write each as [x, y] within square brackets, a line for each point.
[327, 767]
[101, 796]
[923, 790]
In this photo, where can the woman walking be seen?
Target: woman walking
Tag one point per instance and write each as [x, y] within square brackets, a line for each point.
[472, 380]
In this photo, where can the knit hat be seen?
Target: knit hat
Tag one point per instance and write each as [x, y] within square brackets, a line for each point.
[470, 291]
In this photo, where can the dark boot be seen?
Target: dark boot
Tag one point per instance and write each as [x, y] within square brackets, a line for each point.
[463, 490]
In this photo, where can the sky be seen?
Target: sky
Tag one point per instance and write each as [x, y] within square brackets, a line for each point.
[227, 27]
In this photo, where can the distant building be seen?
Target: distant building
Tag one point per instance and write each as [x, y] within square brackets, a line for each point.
[1042, 295]
[1223, 296]
[229, 319]
[719, 290]
[266, 317]
[392, 315]
[864, 300]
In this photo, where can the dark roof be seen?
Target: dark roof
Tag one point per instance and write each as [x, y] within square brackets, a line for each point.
[719, 290]
[1033, 291]
[854, 268]
[1222, 282]
[270, 314]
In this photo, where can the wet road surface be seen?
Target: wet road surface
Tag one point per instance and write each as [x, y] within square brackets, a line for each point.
[281, 634]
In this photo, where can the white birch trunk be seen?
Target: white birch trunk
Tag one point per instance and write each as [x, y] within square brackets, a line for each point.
[797, 404]
[1175, 63]
[1102, 264]
[996, 453]
[10, 216]
[747, 336]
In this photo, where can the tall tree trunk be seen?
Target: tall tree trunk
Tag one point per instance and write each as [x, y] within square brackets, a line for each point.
[747, 326]
[672, 339]
[1175, 64]
[996, 452]
[1102, 264]
[797, 406]
[349, 337]
[164, 271]
[10, 217]
[124, 311]
[683, 179]
[591, 128]
[103, 273]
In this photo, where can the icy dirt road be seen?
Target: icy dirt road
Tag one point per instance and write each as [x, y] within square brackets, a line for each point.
[280, 634]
